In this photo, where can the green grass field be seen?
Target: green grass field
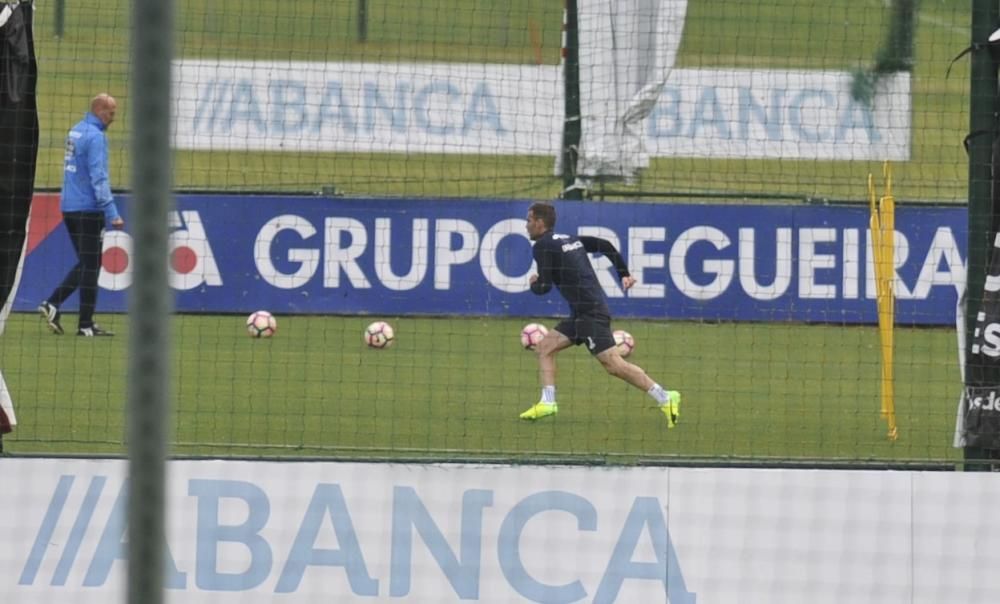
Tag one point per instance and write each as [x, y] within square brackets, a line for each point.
[454, 387]
[787, 34]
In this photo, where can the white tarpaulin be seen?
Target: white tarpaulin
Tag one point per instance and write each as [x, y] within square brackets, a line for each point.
[627, 49]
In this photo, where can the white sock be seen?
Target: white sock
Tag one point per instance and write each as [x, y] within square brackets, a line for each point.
[657, 392]
[548, 394]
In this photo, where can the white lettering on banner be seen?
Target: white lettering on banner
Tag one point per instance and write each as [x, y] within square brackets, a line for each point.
[445, 256]
[722, 270]
[383, 255]
[517, 109]
[852, 266]
[782, 263]
[820, 252]
[307, 259]
[639, 261]
[347, 241]
[192, 262]
[810, 261]
[344, 258]
[488, 256]
[991, 402]
[991, 341]
[943, 250]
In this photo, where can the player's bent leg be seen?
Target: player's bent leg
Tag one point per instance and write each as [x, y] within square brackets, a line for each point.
[553, 342]
[615, 365]
[546, 350]
[669, 401]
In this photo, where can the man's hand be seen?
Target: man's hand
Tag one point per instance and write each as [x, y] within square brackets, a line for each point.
[532, 279]
[118, 223]
[628, 282]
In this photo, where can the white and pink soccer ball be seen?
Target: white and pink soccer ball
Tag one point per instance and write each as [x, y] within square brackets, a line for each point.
[532, 334]
[624, 342]
[379, 335]
[261, 324]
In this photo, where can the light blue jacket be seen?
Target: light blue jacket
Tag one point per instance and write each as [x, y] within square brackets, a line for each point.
[85, 170]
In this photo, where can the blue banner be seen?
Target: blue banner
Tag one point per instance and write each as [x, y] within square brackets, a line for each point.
[238, 253]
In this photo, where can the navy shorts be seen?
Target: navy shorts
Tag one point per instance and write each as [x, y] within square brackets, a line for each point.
[592, 330]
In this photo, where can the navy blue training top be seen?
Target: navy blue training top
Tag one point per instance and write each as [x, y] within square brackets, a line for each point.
[563, 261]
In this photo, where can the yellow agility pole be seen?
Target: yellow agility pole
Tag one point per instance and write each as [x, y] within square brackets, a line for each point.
[883, 226]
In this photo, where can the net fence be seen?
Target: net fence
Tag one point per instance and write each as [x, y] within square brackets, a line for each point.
[341, 163]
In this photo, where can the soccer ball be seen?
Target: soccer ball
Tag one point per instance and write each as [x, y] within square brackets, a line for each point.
[532, 334]
[261, 324]
[624, 342]
[379, 335]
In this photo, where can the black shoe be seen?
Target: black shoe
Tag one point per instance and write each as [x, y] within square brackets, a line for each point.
[94, 331]
[51, 315]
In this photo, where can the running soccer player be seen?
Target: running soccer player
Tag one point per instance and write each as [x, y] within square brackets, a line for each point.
[563, 262]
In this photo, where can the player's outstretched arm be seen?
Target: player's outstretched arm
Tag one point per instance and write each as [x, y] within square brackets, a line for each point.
[597, 245]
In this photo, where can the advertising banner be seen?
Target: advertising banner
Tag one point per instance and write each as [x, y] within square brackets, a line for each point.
[744, 113]
[367, 107]
[483, 109]
[247, 532]
[295, 255]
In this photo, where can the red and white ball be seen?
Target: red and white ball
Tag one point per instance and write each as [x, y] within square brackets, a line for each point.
[532, 334]
[261, 324]
[624, 342]
[379, 335]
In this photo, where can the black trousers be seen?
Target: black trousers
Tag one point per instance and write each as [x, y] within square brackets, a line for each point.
[86, 231]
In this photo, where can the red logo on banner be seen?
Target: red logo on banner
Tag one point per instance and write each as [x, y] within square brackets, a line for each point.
[115, 260]
[184, 259]
[45, 217]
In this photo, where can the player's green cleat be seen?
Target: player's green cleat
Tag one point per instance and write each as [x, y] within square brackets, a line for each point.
[672, 408]
[540, 410]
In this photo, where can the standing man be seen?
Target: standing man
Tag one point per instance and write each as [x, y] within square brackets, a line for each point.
[87, 206]
[563, 262]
